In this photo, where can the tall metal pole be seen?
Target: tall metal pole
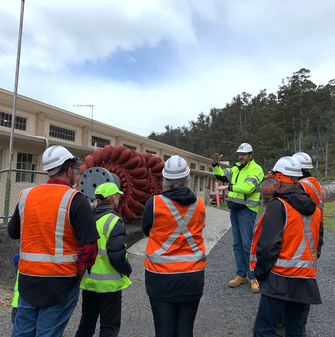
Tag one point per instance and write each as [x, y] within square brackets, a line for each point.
[8, 182]
[89, 106]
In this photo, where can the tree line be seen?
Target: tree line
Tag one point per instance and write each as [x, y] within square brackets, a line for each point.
[300, 116]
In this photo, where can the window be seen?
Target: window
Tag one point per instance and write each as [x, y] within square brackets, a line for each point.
[61, 133]
[193, 166]
[152, 152]
[166, 157]
[210, 168]
[6, 120]
[195, 183]
[201, 185]
[202, 167]
[130, 147]
[100, 141]
[26, 162]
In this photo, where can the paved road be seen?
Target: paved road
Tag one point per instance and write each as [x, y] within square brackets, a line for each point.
[223, 311]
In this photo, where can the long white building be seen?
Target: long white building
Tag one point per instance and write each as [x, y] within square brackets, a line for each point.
[39, 125]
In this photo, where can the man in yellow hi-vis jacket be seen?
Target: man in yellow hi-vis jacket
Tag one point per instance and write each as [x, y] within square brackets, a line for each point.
[245, 179]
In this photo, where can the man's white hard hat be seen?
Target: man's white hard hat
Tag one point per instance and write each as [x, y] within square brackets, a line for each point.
[176, 168]
[55, 156]
[244, 148]
[304, 159]
[288, 166]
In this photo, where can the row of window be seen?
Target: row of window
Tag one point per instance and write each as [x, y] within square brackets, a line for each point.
[6, 121]
[66, 134]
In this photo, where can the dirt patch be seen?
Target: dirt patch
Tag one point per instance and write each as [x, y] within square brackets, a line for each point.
[6, 297]
[8, 248]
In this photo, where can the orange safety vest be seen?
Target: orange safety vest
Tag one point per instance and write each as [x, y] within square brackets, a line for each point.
[297, 257]
[48, 242]
[175, 242]
[314, 189]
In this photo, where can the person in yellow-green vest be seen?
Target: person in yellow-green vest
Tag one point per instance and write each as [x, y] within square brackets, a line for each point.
[109, 275]
[245, 179]
[15, 302]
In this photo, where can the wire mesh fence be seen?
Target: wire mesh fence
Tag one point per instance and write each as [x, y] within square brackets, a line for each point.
[20, 180]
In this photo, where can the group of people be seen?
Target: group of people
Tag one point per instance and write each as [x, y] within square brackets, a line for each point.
[66, 243]
[279, 256]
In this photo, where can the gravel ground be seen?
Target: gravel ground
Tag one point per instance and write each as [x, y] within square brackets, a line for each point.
[223, 311]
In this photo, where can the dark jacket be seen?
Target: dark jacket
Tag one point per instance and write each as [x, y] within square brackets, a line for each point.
[172, 287]
[116, 244]
[300, 290]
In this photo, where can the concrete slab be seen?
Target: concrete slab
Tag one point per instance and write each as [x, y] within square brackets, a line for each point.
[217, 223]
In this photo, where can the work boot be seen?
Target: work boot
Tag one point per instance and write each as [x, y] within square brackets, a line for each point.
[254, 286]
[280, 332]
[237, 281]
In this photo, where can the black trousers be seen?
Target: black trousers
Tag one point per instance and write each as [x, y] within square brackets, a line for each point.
[108, 306]
[174, 319]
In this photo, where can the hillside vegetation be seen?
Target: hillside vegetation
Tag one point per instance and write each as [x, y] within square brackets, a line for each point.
[300, 116]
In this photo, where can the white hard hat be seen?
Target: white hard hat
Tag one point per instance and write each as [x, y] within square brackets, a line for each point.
[176, 168]
[244, 148]
[304, 159]
[55, 156]
[288, 166]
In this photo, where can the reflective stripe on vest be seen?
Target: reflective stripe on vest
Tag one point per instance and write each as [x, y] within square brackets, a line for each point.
[320, 196]
[256, 182]
[182, 222]
[246, 202]
[103, 277]
[228, 174]
[58, 257]
[295, 262]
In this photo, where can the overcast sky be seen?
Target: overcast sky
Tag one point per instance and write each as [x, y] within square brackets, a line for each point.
[144, 64]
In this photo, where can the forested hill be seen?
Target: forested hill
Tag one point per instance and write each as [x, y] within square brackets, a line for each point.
[300, 116]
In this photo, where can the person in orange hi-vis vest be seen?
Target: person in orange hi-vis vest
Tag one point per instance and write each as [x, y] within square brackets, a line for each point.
[285, 248]
[175, 256]
[58, 244]
[312, 187]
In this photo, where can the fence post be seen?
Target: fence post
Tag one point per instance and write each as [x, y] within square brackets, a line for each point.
[7, 199]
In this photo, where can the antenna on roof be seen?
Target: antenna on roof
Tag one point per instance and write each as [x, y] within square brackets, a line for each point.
[88, 106]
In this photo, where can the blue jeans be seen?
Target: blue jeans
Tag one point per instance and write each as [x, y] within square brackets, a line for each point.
[31, 321]
[270, 310]
[242, 222]
[281, 321]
